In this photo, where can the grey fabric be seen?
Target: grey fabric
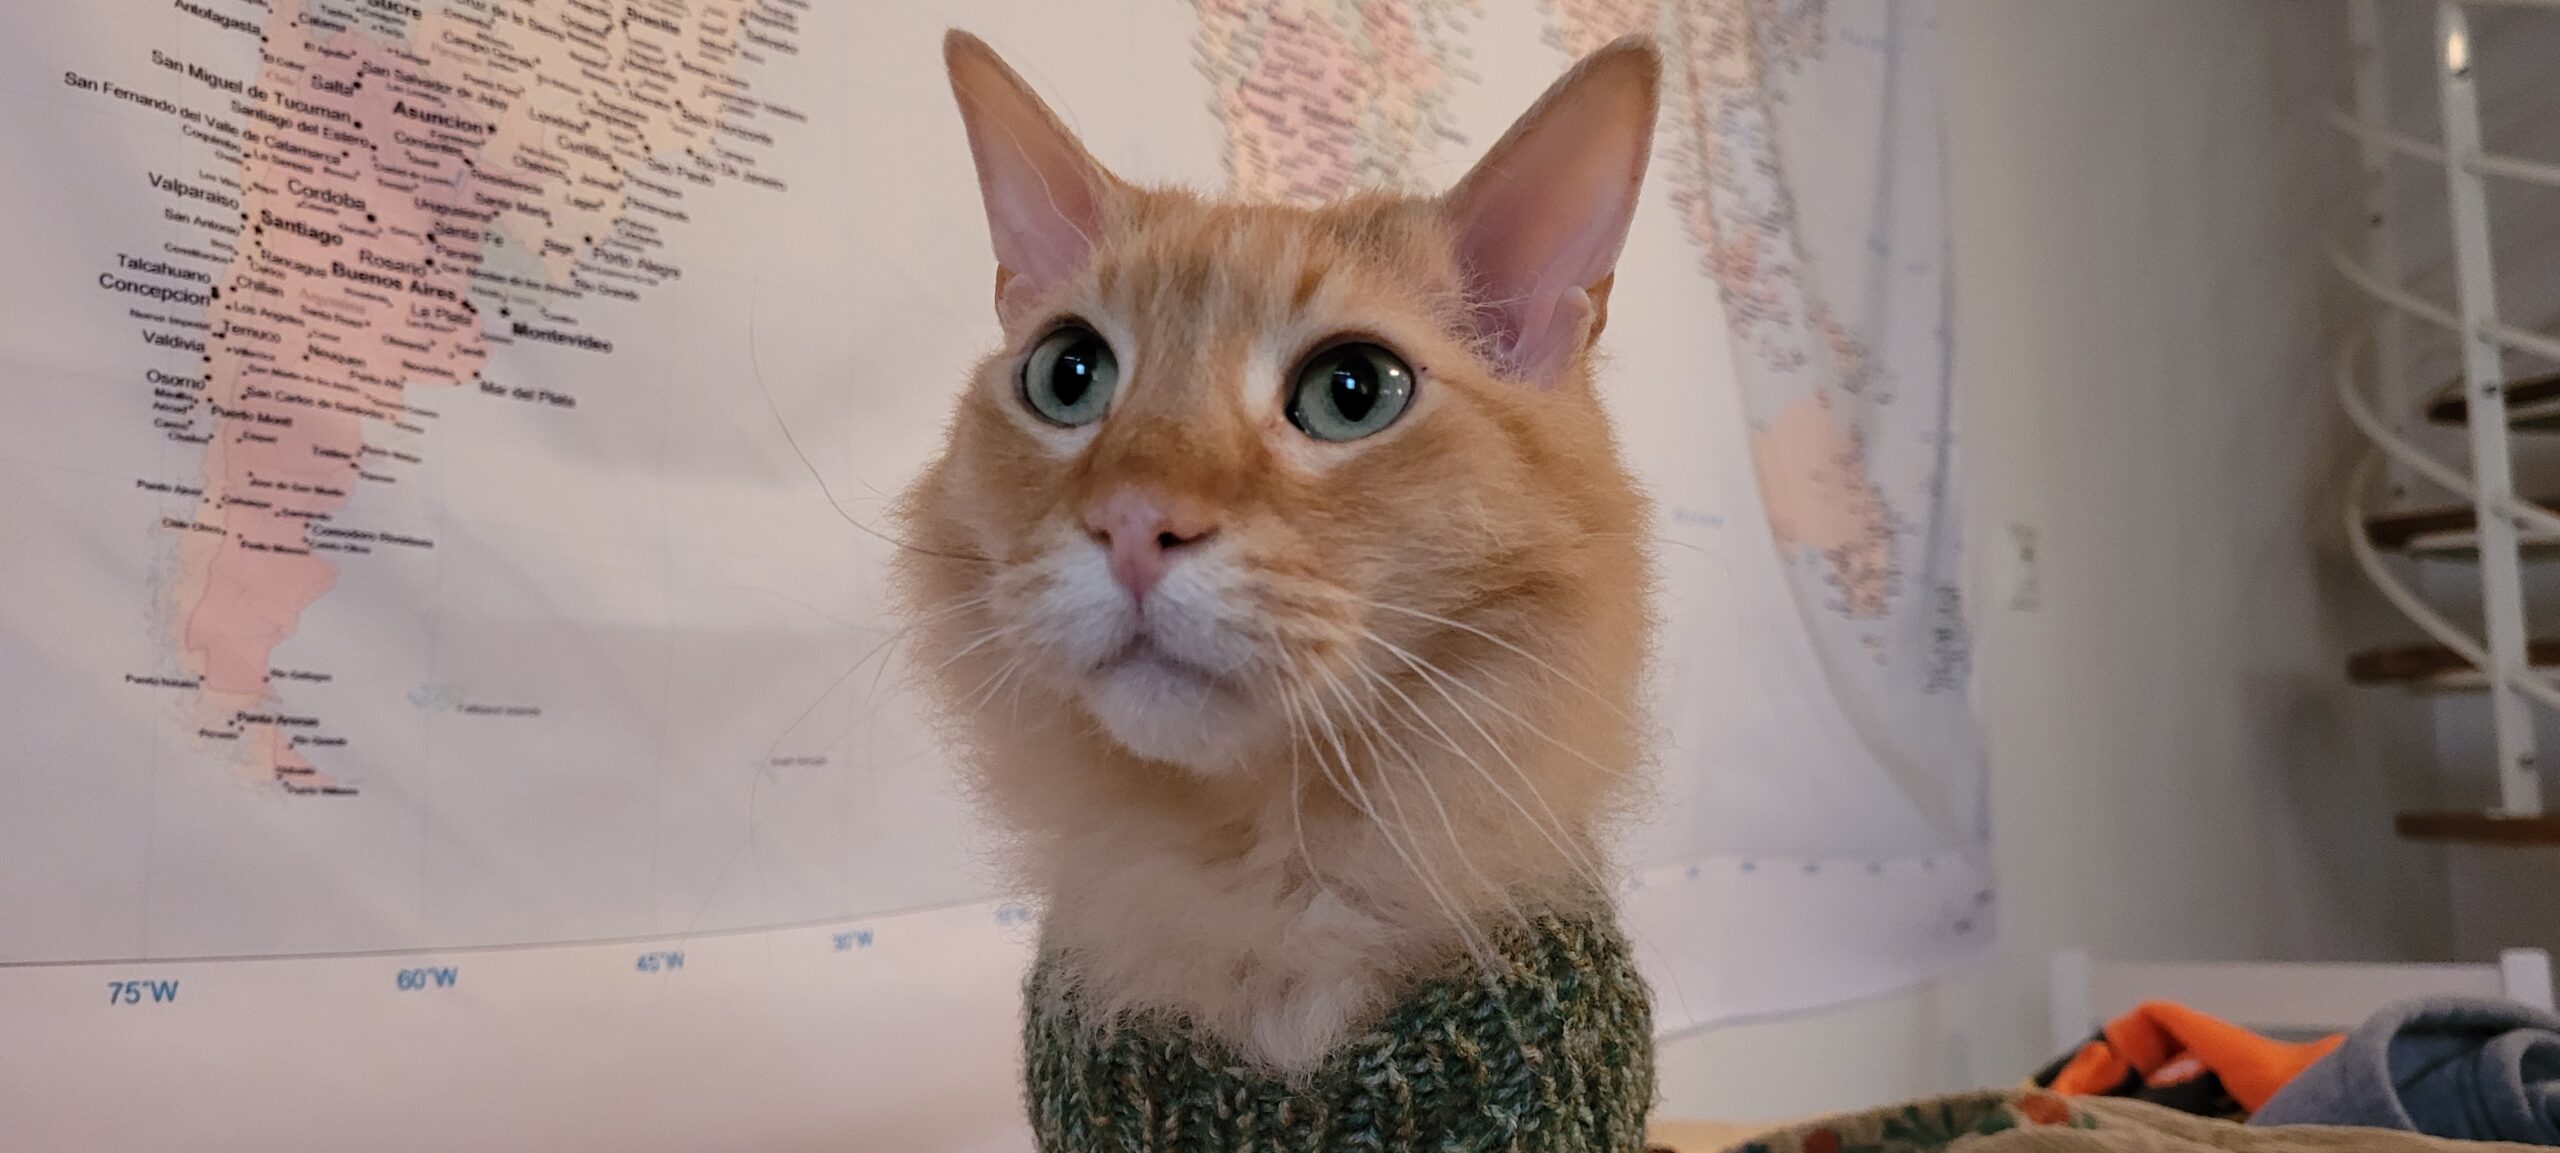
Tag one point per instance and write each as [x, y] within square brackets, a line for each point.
[2447, 1067]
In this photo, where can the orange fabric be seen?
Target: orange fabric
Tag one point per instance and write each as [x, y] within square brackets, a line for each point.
[2168, 1043]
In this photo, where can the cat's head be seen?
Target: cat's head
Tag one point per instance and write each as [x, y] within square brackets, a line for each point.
[1243, 478]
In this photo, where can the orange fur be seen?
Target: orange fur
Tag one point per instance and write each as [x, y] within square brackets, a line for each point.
[1430, 715]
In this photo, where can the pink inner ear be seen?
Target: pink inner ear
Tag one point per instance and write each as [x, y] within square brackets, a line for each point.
[1541, 219]
[1040, 211]
[1526, 260]
[1042, 191]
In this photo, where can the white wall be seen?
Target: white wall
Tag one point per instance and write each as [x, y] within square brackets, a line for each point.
[2140, 190]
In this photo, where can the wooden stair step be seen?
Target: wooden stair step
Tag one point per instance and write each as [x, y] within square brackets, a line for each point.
[2533, 404]
[2446, 529]
[2479, 828]
[2435, 667]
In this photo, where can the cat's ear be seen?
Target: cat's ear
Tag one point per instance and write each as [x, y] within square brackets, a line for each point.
[1043, 191]
[1540, 219]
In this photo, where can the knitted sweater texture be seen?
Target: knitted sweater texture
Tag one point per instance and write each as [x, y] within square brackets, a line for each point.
[1549, 1051]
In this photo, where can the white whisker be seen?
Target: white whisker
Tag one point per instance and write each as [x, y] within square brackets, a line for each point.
[1514, 649]
[1358, 795]
[1556, 834]
[1525, 724]
[1430, 878]
[1297, 787]
[1431, 793]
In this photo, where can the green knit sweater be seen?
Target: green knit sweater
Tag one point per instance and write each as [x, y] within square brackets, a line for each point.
[1551, 1054]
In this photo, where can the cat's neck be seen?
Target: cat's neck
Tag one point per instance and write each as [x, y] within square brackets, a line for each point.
[1281, 909]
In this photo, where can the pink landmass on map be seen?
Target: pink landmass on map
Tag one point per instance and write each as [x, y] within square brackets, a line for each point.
[326, 316]
[384, 165]
[1320, 99]
[1291, 118]
[1581, 26]
[1813, 480]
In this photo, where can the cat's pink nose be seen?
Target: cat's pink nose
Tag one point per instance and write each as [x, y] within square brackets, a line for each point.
[1142, 531]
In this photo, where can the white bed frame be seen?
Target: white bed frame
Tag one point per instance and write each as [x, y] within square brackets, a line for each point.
[2277, 996]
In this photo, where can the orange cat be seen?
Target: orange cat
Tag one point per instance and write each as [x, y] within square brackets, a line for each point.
[1280, 579]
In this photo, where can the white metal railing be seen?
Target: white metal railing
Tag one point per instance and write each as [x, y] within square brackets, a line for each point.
[2390, 445]
[2503, 655]
[2401, 596]
[2486, 164]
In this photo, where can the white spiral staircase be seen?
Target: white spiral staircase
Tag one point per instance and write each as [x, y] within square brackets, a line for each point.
[2495, 531]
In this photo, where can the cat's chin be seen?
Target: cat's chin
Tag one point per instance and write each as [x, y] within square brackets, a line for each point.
[1162, 710]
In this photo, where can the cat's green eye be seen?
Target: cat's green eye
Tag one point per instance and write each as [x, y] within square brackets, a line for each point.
[1069, 377]
[1349, 391]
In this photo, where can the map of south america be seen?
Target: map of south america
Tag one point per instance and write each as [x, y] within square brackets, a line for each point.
[406, 189]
